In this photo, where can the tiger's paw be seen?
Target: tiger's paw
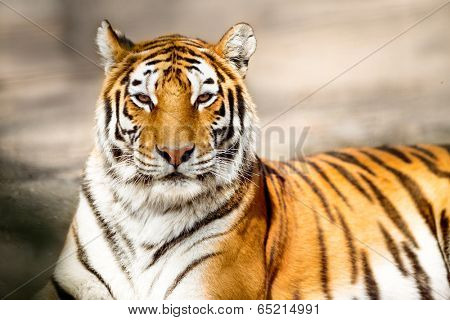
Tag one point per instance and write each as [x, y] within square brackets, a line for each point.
[92, 292]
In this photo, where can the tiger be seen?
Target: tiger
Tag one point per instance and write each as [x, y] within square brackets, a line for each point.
[175, 203]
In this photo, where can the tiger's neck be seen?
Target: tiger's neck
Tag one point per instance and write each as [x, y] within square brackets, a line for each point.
[132, 204]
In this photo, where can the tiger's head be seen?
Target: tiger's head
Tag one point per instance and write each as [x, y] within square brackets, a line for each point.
[174, 113]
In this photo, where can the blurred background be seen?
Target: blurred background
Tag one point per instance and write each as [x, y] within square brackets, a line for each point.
[398, 94]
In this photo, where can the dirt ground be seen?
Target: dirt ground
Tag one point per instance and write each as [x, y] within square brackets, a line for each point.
[398, 93]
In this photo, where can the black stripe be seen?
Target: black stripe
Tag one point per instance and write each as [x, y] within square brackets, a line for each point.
[219, 234]
[230, 132]
[422, 279]
[394, 152]
[202, 162]
[84, 260]
[156, 61]
[124, 237]
[136, 82]
[279, 243]
[323, 261]
[350, 178]
[125, 79]
[155, 279]
[123, 203]
[231, 151]
[108, 113]
[424, 151]
[391, 211]
[148, 60]
[432, 167]
[218, 65]
[272, 267]
[167, 71]
[60, 292]
[193, 61]
[108, 231]
[423, 206]
[241, 106]
[144, 163]
[393, 249]
[156, 44]
[325, 177]
[212, 236]
[221, 111]
[128, 115]
[223, 211]
[127, 69]
[220, 90]
[220, 75]
[161, 51]
[369, 280]
[445, 229]
[351, 246]
[137, 135]
[237, 62]
[131, 59]
[197, 43]
[273, 175]
[117, 153]
[118, 132]
[314, 188]
[345, 157]
[188, 269]
[188, 51]
[148, 246]
[268, 217]
[445, 147]
[194, 68]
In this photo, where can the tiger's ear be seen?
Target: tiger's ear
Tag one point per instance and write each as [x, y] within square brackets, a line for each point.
[237, 46]
[112, 44]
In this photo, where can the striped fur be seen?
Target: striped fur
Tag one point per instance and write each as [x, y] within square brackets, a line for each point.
[368, 223]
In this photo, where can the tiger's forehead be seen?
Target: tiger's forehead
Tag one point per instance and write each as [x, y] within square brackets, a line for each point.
[172, 39]
[180, 66]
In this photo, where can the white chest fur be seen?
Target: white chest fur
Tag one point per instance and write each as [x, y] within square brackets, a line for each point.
[142, 252]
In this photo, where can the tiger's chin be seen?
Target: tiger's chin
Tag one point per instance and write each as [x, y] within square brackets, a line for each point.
[177, 188]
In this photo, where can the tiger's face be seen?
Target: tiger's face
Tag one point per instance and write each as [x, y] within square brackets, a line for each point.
[174, 112]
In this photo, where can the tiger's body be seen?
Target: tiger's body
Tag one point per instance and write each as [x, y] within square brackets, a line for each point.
[175, 204]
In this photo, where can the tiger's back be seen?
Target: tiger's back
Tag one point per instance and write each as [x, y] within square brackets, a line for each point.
[360, 223]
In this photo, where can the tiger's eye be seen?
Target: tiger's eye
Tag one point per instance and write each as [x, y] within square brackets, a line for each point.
[203, 97]
[143, 98]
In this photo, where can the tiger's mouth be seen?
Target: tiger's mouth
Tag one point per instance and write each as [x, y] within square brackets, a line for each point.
[175, 176]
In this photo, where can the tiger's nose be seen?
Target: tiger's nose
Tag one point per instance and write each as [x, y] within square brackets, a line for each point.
[176, 156]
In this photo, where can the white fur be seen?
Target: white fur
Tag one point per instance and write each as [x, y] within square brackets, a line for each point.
[240, 44]
[150, 226]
